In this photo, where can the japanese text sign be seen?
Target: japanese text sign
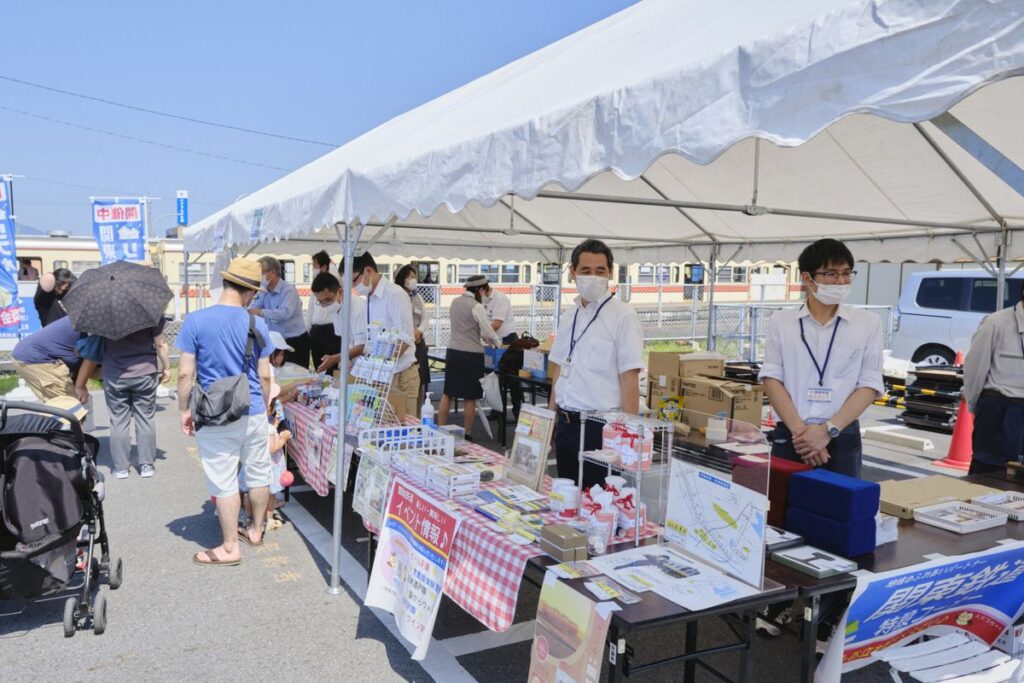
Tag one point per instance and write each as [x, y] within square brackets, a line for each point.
[119, 228]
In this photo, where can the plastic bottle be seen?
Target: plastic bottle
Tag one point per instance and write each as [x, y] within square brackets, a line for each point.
[427, 412]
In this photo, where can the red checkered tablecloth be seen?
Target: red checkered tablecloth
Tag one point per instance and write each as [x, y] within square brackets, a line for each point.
[315, 473]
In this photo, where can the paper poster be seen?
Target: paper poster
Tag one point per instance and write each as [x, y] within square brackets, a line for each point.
[371, 490]
[717, 520]
[528, 459]
[980, 595]
[411, 563]
[569, 638]
[314, 446]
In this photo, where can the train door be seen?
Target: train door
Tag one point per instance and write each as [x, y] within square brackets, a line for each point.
[550, 278]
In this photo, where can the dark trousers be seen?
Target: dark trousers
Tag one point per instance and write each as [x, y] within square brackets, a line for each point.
[322, 342]
[567, 449]
[998, 436]
[300, 356]
[846, 450]
[515, 389]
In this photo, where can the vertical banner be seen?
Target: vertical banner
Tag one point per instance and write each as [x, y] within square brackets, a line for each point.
[10, 305]
[411, 563]
[569, 637]
[119, 227]
[979, 595]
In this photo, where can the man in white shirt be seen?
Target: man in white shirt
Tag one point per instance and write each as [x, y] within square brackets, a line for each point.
[320, 318]
[597, 357]
[994, 390]
[823, 365]
[328, 294]
[499, 310]
[388, 308]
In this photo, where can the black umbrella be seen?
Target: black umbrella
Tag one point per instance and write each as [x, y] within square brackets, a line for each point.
[117, 299]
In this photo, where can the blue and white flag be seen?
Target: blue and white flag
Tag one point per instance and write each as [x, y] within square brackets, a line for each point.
[119, 228]
[10, 305]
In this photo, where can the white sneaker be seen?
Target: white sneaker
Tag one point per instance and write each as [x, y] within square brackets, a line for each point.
[121, 474]
[146, 471]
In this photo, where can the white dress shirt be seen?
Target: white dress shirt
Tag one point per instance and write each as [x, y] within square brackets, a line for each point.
[996, 358]
[319, 315]
[388, 308]
[357, 324]
[499, 307]
[612, 345]
[855, 361]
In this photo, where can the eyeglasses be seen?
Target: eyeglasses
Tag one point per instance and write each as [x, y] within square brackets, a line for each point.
[835, 275]
[356, 277]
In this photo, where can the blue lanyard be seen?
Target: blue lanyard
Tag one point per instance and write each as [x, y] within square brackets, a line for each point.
[821, 368]
[1021, 336]
[573, 339]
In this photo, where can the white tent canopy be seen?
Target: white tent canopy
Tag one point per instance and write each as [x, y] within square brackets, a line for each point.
[645, 129]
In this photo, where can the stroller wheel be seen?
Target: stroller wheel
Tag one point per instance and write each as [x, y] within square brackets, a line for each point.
[117, 576]
[70, 617]
[99, 614]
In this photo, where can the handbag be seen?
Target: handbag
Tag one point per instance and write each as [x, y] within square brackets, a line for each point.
[227, 399]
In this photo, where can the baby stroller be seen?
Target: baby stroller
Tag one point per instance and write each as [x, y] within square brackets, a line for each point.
[51, 514]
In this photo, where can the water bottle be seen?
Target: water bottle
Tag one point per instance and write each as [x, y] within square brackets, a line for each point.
[427, 412]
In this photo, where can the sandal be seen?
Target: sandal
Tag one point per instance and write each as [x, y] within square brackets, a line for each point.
[214, 561]
[243, 536]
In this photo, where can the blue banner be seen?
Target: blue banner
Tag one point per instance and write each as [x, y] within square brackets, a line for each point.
[10, 304]
[119, 228]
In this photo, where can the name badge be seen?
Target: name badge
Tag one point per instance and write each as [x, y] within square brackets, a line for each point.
[819, 395]
[565, 371]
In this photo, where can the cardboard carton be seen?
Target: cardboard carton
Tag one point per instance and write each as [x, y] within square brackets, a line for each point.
[563, 542]
[537, 363]
[662, 366]
[704, 396]
[900, 498]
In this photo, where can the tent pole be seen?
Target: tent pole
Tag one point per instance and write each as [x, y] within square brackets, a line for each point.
[347, 244]
[187, 297]
[712, 278]
[1001, 269]
[558, 294]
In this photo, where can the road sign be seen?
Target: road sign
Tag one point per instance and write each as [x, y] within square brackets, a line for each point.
[182, 207]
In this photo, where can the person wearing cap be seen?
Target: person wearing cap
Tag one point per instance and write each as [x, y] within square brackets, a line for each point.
[388, 309]
[213, 345]
[279, 350]
[464, 358]
[48, 361]
[278, 303]
[323, 340]
[597, 357]
[329, 294]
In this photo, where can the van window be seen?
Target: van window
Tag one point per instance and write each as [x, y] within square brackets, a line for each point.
[945, 293]
[983, 294]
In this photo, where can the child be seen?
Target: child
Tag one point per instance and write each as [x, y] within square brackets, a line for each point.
[278, 437]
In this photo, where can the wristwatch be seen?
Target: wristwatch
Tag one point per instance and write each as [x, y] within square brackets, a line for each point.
[833, 431]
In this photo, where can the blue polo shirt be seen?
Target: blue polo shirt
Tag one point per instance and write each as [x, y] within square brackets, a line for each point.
[52, 343]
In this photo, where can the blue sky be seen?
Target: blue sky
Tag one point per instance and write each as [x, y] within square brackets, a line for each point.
[316, 69]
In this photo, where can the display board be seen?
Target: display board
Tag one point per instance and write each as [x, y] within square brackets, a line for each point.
[528, 459]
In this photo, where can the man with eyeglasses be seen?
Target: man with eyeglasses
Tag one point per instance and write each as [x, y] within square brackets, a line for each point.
[328, 293]
[823, 365]
[388, 309]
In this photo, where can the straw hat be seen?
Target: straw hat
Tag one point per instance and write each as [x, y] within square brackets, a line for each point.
[245, 272]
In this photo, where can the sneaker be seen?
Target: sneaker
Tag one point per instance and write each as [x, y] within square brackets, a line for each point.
[120, 474]
[146, 471]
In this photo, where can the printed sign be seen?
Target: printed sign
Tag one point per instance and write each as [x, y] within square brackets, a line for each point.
[11, 312]
[182, 207]
[119, 228]
[979, 595]
[412, 562]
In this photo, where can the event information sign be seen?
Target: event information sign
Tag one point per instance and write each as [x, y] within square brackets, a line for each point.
[568, 640]
[119, 227]
[411, 563]
[11, 312]
[980, 595]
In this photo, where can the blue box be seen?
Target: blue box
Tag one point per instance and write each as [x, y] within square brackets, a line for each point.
[849, 539]
[836, 496]
[492, 356]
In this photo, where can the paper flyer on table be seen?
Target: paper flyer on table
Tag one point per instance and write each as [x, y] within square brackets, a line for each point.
[568, 641]
[411, 563]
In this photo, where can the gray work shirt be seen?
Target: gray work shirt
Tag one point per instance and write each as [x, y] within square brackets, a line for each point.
[996, 358]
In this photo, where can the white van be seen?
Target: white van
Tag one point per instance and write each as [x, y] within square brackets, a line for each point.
[939, 311]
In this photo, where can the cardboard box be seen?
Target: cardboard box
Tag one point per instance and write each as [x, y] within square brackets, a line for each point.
[656, 392]
[703, 396]
[901, 498]
[537, 363]
[662, 366]
[563, 542]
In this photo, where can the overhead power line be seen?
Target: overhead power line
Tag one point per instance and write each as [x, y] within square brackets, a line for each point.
[165, 114]
[142, 140]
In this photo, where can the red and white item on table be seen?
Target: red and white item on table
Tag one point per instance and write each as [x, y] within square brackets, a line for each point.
[564, 498]
[630, 512]
[634, 445]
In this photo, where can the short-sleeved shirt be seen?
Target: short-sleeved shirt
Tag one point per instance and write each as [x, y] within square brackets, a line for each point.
[47, 305]
[357, 327]
[131, 356]
[499, 307]
[855, 361]
[216, 336]
[388, 308]
[54, 342]
[590, 368]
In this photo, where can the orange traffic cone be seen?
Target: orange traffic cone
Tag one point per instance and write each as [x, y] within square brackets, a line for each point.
[960, 449]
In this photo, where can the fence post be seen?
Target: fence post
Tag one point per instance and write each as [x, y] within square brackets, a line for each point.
[660, 288]
[755, 325]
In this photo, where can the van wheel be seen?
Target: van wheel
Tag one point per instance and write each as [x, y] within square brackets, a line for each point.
[934, 355]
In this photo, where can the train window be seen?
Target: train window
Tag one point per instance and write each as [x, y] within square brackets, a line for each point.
[79, 267]
[466, 271]
[724, 274]
[645, 275]
[490, 272]
[453, 275]
[289, 271]
[510, 274]
[429, 272]
[623, 274]
[384, 269]
[551, 273]
[307, 271]
[60, 264]
[739, 274]
[527, 274]
[675, 275]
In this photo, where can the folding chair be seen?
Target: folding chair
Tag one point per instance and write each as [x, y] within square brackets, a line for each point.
[954, 658]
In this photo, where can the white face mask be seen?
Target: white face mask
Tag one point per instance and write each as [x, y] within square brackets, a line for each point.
[362, 289]
[591, 287]
[831, 295]
[410, 284]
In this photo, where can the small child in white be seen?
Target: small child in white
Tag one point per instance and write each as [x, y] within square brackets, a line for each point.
[277, 438]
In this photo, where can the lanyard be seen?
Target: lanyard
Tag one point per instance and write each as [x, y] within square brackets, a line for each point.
[1021, 336]
[573, 339]
[821, 368]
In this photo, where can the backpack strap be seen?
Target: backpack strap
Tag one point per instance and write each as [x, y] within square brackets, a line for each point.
[250, 339]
